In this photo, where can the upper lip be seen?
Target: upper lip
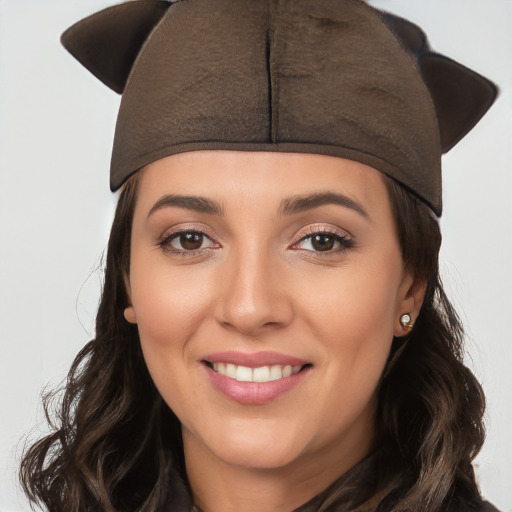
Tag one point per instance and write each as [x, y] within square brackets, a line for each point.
[254, 360]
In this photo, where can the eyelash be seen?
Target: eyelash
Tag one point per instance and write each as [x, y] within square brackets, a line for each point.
[166, 241]
[343, 239]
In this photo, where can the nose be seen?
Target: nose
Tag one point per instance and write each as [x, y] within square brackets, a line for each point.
[253, 296]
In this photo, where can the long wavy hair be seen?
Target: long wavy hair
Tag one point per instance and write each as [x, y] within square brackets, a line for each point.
[114, 444]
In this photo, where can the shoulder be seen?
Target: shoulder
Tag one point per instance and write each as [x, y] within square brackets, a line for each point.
[487, 507]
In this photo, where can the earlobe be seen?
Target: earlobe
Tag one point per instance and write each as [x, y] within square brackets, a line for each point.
[129, 315]
[129, 312]
[409, 306]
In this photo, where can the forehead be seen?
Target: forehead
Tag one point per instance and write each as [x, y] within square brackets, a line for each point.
[234, 176]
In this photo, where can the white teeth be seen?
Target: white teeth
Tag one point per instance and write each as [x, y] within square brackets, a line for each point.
[276, 372]
[261, 374]
[243, 374]
[230, 371]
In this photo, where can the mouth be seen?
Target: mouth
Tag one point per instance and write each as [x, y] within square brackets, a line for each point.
[255, 379]
[260, 374]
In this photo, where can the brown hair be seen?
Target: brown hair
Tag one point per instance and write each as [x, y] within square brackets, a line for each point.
[115, 443]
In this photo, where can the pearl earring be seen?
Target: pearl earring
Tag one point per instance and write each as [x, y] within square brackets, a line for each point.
[407, 322]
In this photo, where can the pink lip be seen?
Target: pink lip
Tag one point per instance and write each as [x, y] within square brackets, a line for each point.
[256, 360]
[254, 393]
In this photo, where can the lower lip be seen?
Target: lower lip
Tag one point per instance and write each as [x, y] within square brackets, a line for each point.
[254, 393]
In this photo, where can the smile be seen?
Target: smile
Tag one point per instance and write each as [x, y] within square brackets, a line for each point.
[255, 379]
[261, 374]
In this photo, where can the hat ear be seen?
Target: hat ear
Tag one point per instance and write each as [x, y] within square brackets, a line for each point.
[461, 97]
[108, 42]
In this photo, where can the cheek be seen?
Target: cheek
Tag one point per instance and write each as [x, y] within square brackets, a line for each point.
[167, 302]
[353, 322]
[354, 303]
[169, 309]
[170, 306]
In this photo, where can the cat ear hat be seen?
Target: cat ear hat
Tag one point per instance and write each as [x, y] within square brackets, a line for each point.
[333, 77]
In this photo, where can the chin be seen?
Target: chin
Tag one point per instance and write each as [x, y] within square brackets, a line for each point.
[257, 457]
[255, 446]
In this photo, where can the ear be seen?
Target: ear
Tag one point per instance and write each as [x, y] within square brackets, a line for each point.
[461, 96]
[409, 301]
[108, 42]
[129, 311]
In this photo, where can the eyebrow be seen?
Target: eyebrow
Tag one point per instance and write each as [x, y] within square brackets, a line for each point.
[195, 203]
[300, 204]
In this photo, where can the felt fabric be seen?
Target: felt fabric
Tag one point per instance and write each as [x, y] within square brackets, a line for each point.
[333, 77]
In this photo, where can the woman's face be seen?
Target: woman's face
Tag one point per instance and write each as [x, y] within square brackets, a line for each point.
[267, 288]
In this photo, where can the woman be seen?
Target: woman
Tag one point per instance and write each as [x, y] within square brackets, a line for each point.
[273, 334]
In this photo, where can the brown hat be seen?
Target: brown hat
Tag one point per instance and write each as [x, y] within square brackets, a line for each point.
[334, 77]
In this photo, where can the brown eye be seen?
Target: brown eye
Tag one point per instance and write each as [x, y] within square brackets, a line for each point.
[323, 242]
[191, 241]
[187, 242]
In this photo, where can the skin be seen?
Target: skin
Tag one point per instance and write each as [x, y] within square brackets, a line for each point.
[259, 283]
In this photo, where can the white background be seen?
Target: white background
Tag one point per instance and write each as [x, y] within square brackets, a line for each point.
[56, 127]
